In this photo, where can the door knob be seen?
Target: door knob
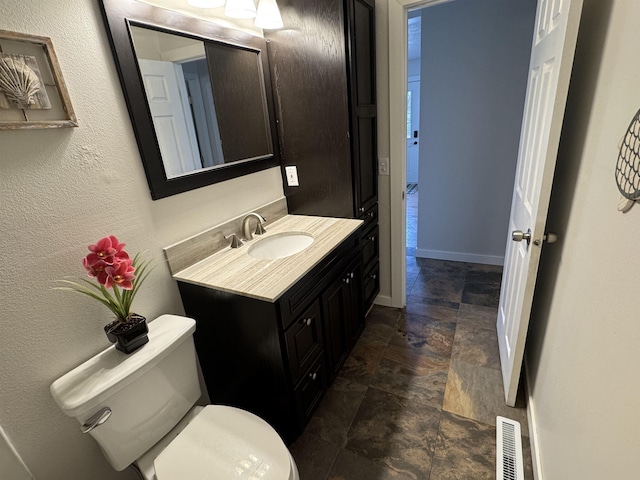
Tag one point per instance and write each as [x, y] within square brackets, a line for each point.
[519, 235]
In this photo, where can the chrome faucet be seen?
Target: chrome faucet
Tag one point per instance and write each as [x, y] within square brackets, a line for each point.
[246, 226]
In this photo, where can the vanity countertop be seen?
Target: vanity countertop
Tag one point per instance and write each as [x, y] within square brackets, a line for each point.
[233, 270]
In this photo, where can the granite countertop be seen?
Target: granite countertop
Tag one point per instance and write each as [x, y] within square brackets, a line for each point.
[233, 270]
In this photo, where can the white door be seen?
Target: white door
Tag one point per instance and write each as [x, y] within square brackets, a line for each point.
[413, 130]
[174, 129]
[548, 83]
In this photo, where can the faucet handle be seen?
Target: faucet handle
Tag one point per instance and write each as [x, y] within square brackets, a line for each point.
[260, 229]
[235, 241]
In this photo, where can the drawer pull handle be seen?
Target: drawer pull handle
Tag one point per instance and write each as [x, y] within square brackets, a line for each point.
[313, 376]
[351, 275]
[346, 280]
[373, 239]
[361, 209]
[373, 276]
[371, 214]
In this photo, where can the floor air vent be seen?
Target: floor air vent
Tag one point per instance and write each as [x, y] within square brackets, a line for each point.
[508, 450]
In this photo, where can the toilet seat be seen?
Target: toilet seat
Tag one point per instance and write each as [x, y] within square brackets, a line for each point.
[225, 442]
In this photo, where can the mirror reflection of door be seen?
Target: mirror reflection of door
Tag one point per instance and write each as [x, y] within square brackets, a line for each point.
[176, 78]
[174, 128]
[413, 130]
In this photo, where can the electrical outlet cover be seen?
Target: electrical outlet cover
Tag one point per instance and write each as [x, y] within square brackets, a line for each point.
[292, 176]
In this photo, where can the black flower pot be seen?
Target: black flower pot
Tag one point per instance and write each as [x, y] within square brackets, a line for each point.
[130, 335]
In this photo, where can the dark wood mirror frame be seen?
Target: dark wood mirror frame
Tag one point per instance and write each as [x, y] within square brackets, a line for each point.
[118, 16]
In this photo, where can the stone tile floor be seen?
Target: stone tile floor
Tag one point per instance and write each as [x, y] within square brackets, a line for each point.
[418, 396]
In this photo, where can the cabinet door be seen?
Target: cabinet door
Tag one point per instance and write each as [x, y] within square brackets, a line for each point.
[370, 247]
[371, 286]
[343, 316]
[362, 98]
[304, 341]
[355, 315]
[334, 311]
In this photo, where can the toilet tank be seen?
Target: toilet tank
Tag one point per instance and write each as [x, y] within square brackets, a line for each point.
[148, 391]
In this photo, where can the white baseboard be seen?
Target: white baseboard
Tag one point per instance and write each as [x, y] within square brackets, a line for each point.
[533, 437]
[383, 300]
[460, 256]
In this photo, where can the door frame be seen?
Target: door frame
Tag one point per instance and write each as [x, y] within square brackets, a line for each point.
[398, 17]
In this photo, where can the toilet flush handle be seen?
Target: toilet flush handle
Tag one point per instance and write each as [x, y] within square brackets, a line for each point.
[96, 420]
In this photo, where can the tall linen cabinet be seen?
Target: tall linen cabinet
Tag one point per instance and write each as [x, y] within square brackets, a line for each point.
[323, 72]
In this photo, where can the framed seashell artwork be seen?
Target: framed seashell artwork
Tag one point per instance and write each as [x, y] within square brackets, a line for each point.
[21, 84]
[33, 93]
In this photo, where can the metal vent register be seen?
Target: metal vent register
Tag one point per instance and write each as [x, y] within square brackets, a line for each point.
[508, 450]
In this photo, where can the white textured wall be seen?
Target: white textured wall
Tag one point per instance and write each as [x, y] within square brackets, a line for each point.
[583, 349]
[474, 70]
[59, 191]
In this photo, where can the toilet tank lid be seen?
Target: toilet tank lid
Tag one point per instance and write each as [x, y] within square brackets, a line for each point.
[88, 384]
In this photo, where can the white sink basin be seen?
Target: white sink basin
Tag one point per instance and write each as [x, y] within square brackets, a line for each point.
[280, 245]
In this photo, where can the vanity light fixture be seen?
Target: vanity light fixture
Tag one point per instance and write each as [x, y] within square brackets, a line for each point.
[267, 14]
[206, 3]
[240, 9]
[269, 17]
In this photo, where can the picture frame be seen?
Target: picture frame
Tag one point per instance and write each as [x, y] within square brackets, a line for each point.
[33, 93]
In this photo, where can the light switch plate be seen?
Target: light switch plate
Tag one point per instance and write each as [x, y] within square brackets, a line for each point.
[383, 166]
[292, 176]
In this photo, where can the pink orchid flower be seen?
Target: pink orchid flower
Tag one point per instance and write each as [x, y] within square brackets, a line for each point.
[116, 244]
[120, 274]
[108, 250]
[102, 250]
[112, 267]
[96, 270]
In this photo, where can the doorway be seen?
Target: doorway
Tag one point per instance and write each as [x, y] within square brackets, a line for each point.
[413, 127]
[469, 129]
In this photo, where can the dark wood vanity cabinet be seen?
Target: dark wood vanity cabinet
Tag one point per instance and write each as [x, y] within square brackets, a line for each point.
[323, 69]
[276, 359]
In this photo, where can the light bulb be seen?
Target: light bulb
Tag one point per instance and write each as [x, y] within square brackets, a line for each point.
[240, 9]
[206, 3]
[269, 17]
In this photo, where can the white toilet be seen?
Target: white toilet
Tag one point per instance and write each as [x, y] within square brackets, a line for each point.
[140, 409]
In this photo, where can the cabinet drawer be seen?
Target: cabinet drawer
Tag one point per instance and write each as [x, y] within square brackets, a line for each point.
[371, 285]
[310, 390]
[370, 218]
[370, 247]
[304, 341]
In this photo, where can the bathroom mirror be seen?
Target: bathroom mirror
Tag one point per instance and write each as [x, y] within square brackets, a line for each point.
[198, 94]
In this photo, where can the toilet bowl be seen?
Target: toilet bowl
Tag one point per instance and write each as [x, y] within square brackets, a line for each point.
[140, 408]
[220, 442]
